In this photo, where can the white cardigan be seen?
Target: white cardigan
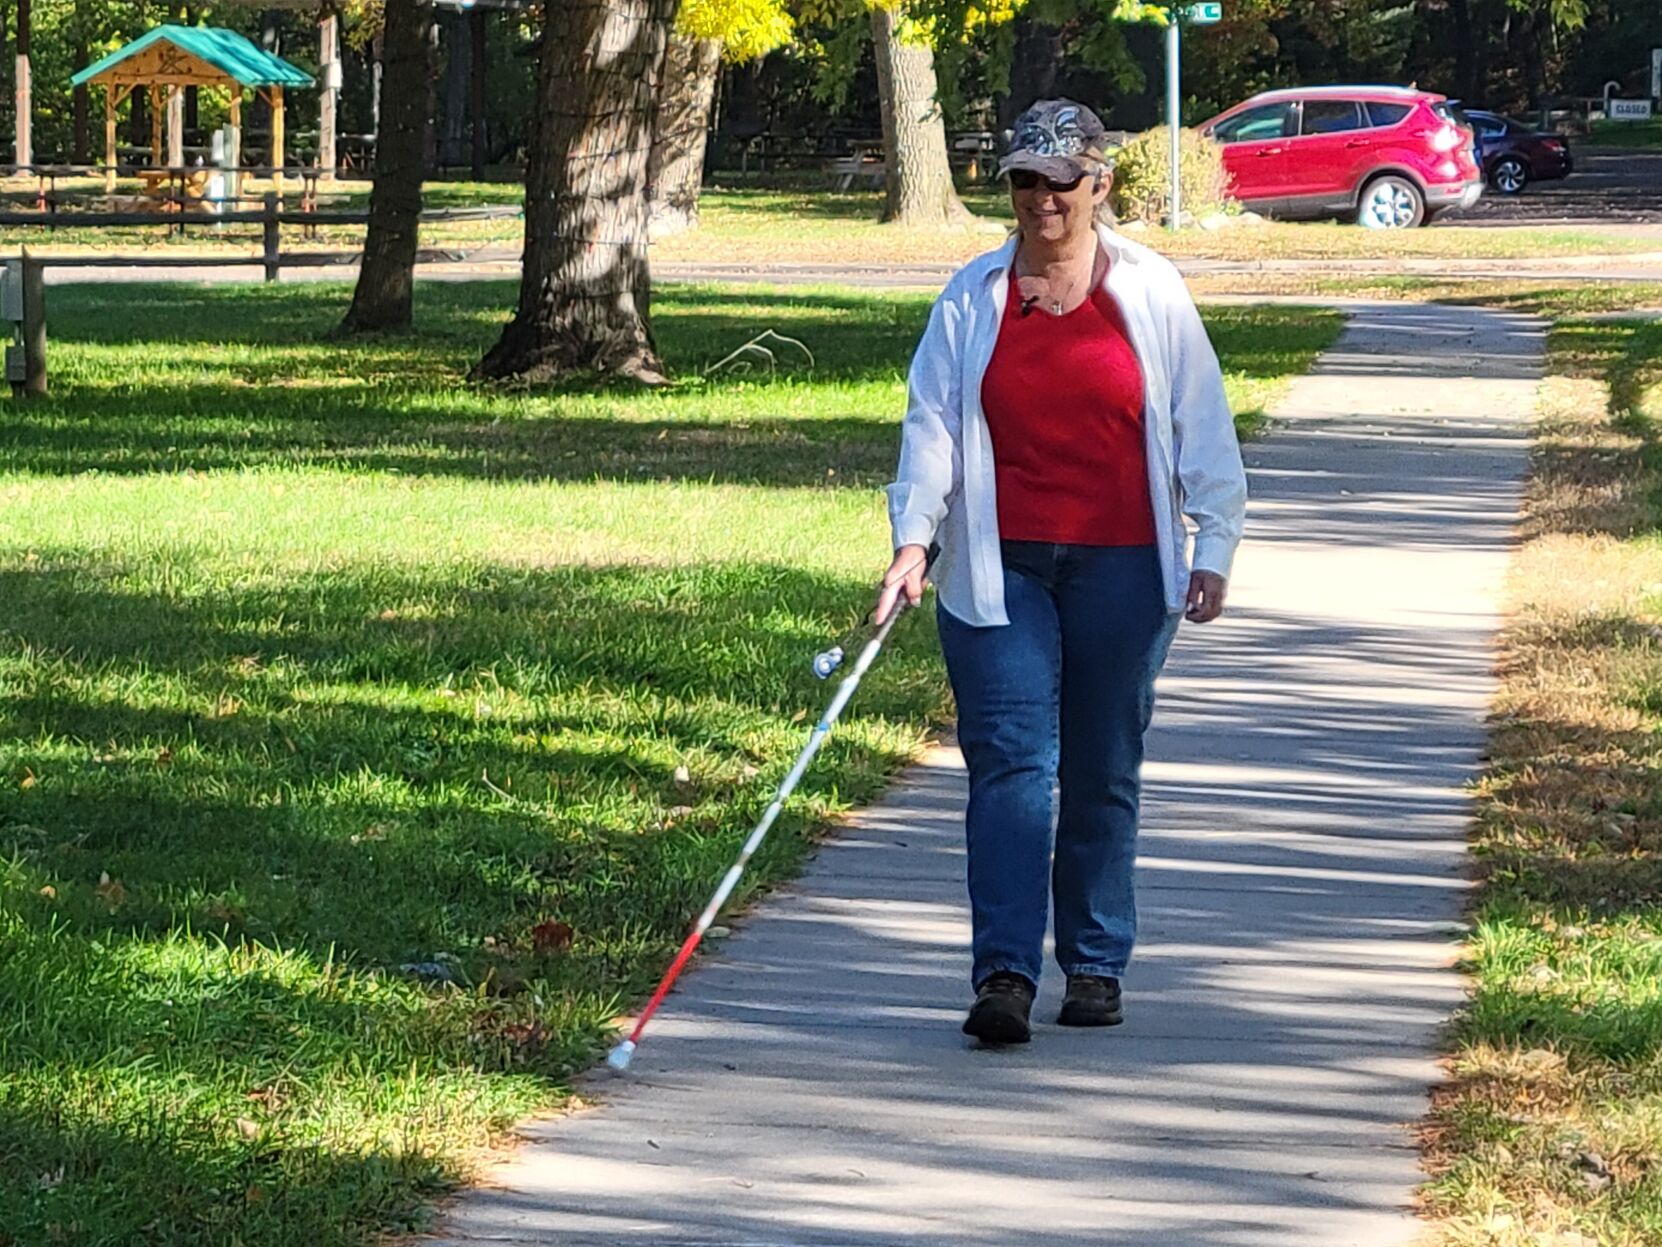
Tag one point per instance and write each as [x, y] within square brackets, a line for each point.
[944, 490]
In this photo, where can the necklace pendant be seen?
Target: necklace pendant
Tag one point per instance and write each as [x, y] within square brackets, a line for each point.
[1056, 307]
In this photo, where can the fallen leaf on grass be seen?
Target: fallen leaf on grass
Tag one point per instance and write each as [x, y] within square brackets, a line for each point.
[248, 1128]
[49, 892]
[28, 781]
[551, 936]
[223, 913]
[271, 1097]
[110, 889]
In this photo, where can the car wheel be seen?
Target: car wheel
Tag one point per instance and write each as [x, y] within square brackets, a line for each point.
[1390, 202]
[1509, 175]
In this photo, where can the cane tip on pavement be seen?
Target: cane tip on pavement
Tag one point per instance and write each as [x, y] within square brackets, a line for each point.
[619, 1057]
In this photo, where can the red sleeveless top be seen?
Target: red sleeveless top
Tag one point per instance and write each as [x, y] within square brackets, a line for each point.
[1063, 397]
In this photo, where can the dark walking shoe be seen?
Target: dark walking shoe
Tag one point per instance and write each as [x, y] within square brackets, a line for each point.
[1091, 1001]
[999, 1014]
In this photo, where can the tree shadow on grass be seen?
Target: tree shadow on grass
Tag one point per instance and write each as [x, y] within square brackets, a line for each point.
[292, 790]
[293, 765]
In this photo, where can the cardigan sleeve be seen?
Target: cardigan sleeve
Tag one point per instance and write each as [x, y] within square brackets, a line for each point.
[931, 452]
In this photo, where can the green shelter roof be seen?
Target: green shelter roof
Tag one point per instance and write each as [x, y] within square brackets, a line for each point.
[227, 51]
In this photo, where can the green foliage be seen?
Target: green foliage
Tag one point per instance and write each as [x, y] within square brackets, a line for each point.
[1142, 176]
[748, 29]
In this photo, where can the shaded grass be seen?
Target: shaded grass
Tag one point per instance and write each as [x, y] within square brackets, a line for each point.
[1552, 1129]
[315, 664]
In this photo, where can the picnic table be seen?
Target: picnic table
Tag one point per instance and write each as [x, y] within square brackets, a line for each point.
[175, 190]
[864, 163]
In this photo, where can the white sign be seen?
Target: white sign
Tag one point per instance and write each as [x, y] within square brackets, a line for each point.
[1203, 14]
[1630, 110]
[1656, 73]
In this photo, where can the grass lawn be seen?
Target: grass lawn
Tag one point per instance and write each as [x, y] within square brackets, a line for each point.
[315, 663]
[813, 224]
[1552, 1129]
[828, 227]
[1625, 134]
[1582, 298]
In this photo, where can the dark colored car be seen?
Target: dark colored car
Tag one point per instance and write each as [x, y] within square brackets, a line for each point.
[1384, 157]
[1513, 155]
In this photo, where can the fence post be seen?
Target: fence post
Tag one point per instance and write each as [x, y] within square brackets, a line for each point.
[34, 325]
[23, 307]
[273, 237]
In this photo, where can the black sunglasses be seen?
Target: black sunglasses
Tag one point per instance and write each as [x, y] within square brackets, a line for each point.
[1026, 180]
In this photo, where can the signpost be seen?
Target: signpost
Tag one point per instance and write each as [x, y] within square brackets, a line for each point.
[1656, 74]
[1203, 14]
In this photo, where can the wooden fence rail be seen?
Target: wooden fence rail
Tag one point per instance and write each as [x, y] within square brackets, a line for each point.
[22, 280]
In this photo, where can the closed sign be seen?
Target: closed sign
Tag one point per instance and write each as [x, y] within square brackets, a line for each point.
[1629, 110]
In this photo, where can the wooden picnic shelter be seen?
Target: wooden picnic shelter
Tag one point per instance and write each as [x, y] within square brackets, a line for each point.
[170, 58]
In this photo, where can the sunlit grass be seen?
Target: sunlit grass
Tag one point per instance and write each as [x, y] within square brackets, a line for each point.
[1552, 1131]
[317, 664]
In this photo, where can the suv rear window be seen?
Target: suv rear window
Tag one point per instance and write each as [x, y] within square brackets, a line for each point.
[1381, 113]
[1331, 117]
[1267, 121]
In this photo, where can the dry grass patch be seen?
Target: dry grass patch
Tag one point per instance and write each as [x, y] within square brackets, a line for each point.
[1551, 1131]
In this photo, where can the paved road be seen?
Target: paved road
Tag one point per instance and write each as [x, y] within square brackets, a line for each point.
[1301, 885]
[1607, 187]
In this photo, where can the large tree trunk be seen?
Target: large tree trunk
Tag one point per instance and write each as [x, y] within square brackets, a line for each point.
[386, 279]
[675, 167]
[918, 174]
[1038, 53]
[584, 287]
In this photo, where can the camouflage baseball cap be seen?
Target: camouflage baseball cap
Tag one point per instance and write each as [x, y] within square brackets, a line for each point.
[1057, 139]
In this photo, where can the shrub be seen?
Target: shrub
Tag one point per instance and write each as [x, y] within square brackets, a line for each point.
[1142, 176]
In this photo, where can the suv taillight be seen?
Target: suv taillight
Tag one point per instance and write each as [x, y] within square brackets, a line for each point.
[1448, 139]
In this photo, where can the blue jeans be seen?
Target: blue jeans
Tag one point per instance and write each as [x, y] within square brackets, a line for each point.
[1062, 696]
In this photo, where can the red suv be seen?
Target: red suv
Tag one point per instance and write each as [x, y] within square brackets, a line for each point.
[1385, 157]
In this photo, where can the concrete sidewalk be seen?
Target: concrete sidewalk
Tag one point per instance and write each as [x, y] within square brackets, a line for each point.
[1301, 891]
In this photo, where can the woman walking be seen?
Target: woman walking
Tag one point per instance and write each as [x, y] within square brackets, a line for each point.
[1065, 413]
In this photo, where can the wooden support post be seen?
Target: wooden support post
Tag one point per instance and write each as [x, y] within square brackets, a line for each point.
[476, 88]
[272, 237]
[111, 102]
[24, 146]
[275, 95]
[175, 127]
[155, 127]
[328, 60]
[236, 142]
